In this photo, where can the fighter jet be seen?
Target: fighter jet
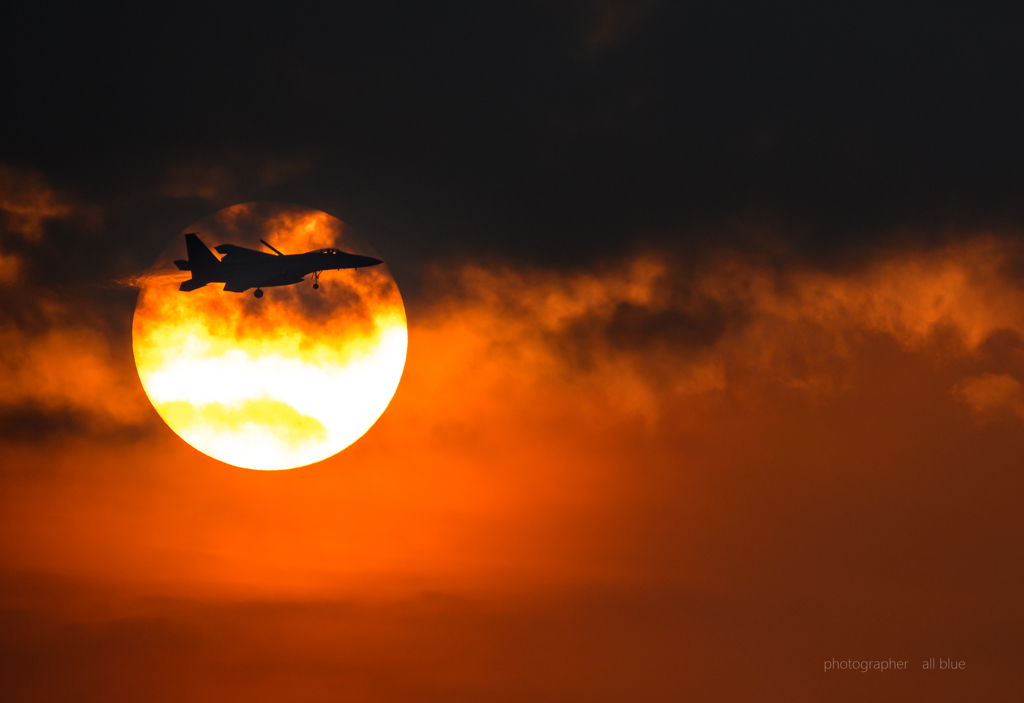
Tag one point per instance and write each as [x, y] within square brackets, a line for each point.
[242, 269]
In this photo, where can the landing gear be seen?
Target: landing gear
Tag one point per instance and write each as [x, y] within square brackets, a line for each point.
[316, 279]
[258, 293]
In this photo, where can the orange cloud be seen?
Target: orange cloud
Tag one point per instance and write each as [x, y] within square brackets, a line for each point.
[657, 329]
[10, 268]
[70, 369]
[991, 392]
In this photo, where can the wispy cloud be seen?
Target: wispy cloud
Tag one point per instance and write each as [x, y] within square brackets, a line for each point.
[228, 177]
[27, 203]
[610, 21]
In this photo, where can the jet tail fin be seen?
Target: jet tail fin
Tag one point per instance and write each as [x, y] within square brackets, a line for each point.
[202, 262]
[200, 258]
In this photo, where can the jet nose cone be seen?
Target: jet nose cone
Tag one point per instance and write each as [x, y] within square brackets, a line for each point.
[370, 261]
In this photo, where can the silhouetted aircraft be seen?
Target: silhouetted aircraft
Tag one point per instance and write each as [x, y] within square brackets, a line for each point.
[242, 269]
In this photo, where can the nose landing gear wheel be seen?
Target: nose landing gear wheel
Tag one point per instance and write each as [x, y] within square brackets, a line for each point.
[258, 293]
[315, 286]
[316, 279]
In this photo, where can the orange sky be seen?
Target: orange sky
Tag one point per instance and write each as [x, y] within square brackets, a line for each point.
[657, 479]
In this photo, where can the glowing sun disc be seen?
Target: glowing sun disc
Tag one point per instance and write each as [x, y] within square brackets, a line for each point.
[278, 382]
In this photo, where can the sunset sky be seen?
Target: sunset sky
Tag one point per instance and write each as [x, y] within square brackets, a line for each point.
[714, 372]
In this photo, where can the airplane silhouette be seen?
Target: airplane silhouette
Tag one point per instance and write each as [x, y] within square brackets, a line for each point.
[242, 269]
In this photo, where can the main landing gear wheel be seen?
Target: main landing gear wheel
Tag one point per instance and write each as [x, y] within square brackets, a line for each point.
[258, 293]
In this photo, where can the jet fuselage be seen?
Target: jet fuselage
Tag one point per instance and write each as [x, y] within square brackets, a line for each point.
[241, 269]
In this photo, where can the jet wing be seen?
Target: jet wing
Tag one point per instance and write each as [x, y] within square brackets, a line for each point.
[235, 253]
[241, 281]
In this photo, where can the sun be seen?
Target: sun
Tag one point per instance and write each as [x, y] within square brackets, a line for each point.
[278, 382]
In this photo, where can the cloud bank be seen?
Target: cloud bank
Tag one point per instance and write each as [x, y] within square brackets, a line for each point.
[660, 476]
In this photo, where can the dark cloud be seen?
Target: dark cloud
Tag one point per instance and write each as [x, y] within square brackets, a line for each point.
[469, 128]
[632, 326]
[32, 423]
[647, 330]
